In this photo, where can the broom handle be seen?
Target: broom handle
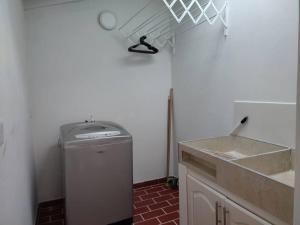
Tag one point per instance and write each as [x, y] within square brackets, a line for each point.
[169, 131]
[168, 139]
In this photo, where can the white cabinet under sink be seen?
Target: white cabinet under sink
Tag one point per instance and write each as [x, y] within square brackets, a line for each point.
[236, 215]
[202, 205]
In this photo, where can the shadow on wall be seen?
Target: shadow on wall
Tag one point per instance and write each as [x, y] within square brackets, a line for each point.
[54, 154]
[136, 59]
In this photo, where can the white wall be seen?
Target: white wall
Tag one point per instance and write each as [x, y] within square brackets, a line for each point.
[78, 69]
[297, 169]
[17, 196]
[257, 61]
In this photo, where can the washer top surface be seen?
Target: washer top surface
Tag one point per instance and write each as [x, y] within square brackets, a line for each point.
[99, 130]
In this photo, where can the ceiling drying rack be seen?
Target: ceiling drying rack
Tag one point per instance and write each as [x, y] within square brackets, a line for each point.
[172, 18]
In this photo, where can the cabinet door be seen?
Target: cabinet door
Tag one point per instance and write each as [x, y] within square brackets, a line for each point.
[204, 204]
[236, 215]
[182, 172]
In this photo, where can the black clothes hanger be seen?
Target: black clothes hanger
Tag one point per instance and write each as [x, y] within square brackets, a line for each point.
[152, 49]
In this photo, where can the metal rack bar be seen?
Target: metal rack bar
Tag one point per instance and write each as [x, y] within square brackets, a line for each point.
[174, 30]
[202, 22]
[186, 20]
[177, 18]
[161, 13]
[146, 22]
[136, 14]
[157, 26]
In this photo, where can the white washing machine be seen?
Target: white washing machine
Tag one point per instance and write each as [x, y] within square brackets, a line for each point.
[97, 173]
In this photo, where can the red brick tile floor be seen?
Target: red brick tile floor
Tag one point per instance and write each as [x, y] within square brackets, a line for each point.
[154, 204]
[51, 213]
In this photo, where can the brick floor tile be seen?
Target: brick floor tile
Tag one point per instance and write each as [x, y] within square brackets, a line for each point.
[149, 196]
[173, 201]
[149, 222]
[165, 192]
[159, 205]
[176, 194]
[172, 208]
[140, 210]
[152, 214]
[139, 193]
[163, 198]
[169, 217]
[55, 223]
[137, 199]
[137, 218]
[154, 189]
[169, 223]
[50, 211]
[149, 187]
[144, 203]
[140, 189]
[44, 219]
[165, 187]
[57, 217]
[149, 183]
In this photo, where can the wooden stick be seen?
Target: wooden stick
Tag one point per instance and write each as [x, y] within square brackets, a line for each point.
[169, 130]
[168, 139]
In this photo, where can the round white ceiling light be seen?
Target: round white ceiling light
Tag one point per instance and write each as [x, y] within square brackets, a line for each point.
[108, 20]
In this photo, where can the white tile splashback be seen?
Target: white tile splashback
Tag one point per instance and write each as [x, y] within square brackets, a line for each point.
[273, 122]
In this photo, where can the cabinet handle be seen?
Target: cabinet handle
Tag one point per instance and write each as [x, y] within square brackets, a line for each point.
[225, 212]
[217, 213]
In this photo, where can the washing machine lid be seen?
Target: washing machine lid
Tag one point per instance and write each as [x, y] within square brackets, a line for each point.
[99, 130]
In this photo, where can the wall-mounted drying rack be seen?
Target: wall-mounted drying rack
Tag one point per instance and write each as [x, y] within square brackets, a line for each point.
[160, 21]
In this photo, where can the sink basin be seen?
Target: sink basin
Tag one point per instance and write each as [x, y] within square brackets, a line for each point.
[286, 177]
[278, 166]
[259, 173]
[233, 147]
